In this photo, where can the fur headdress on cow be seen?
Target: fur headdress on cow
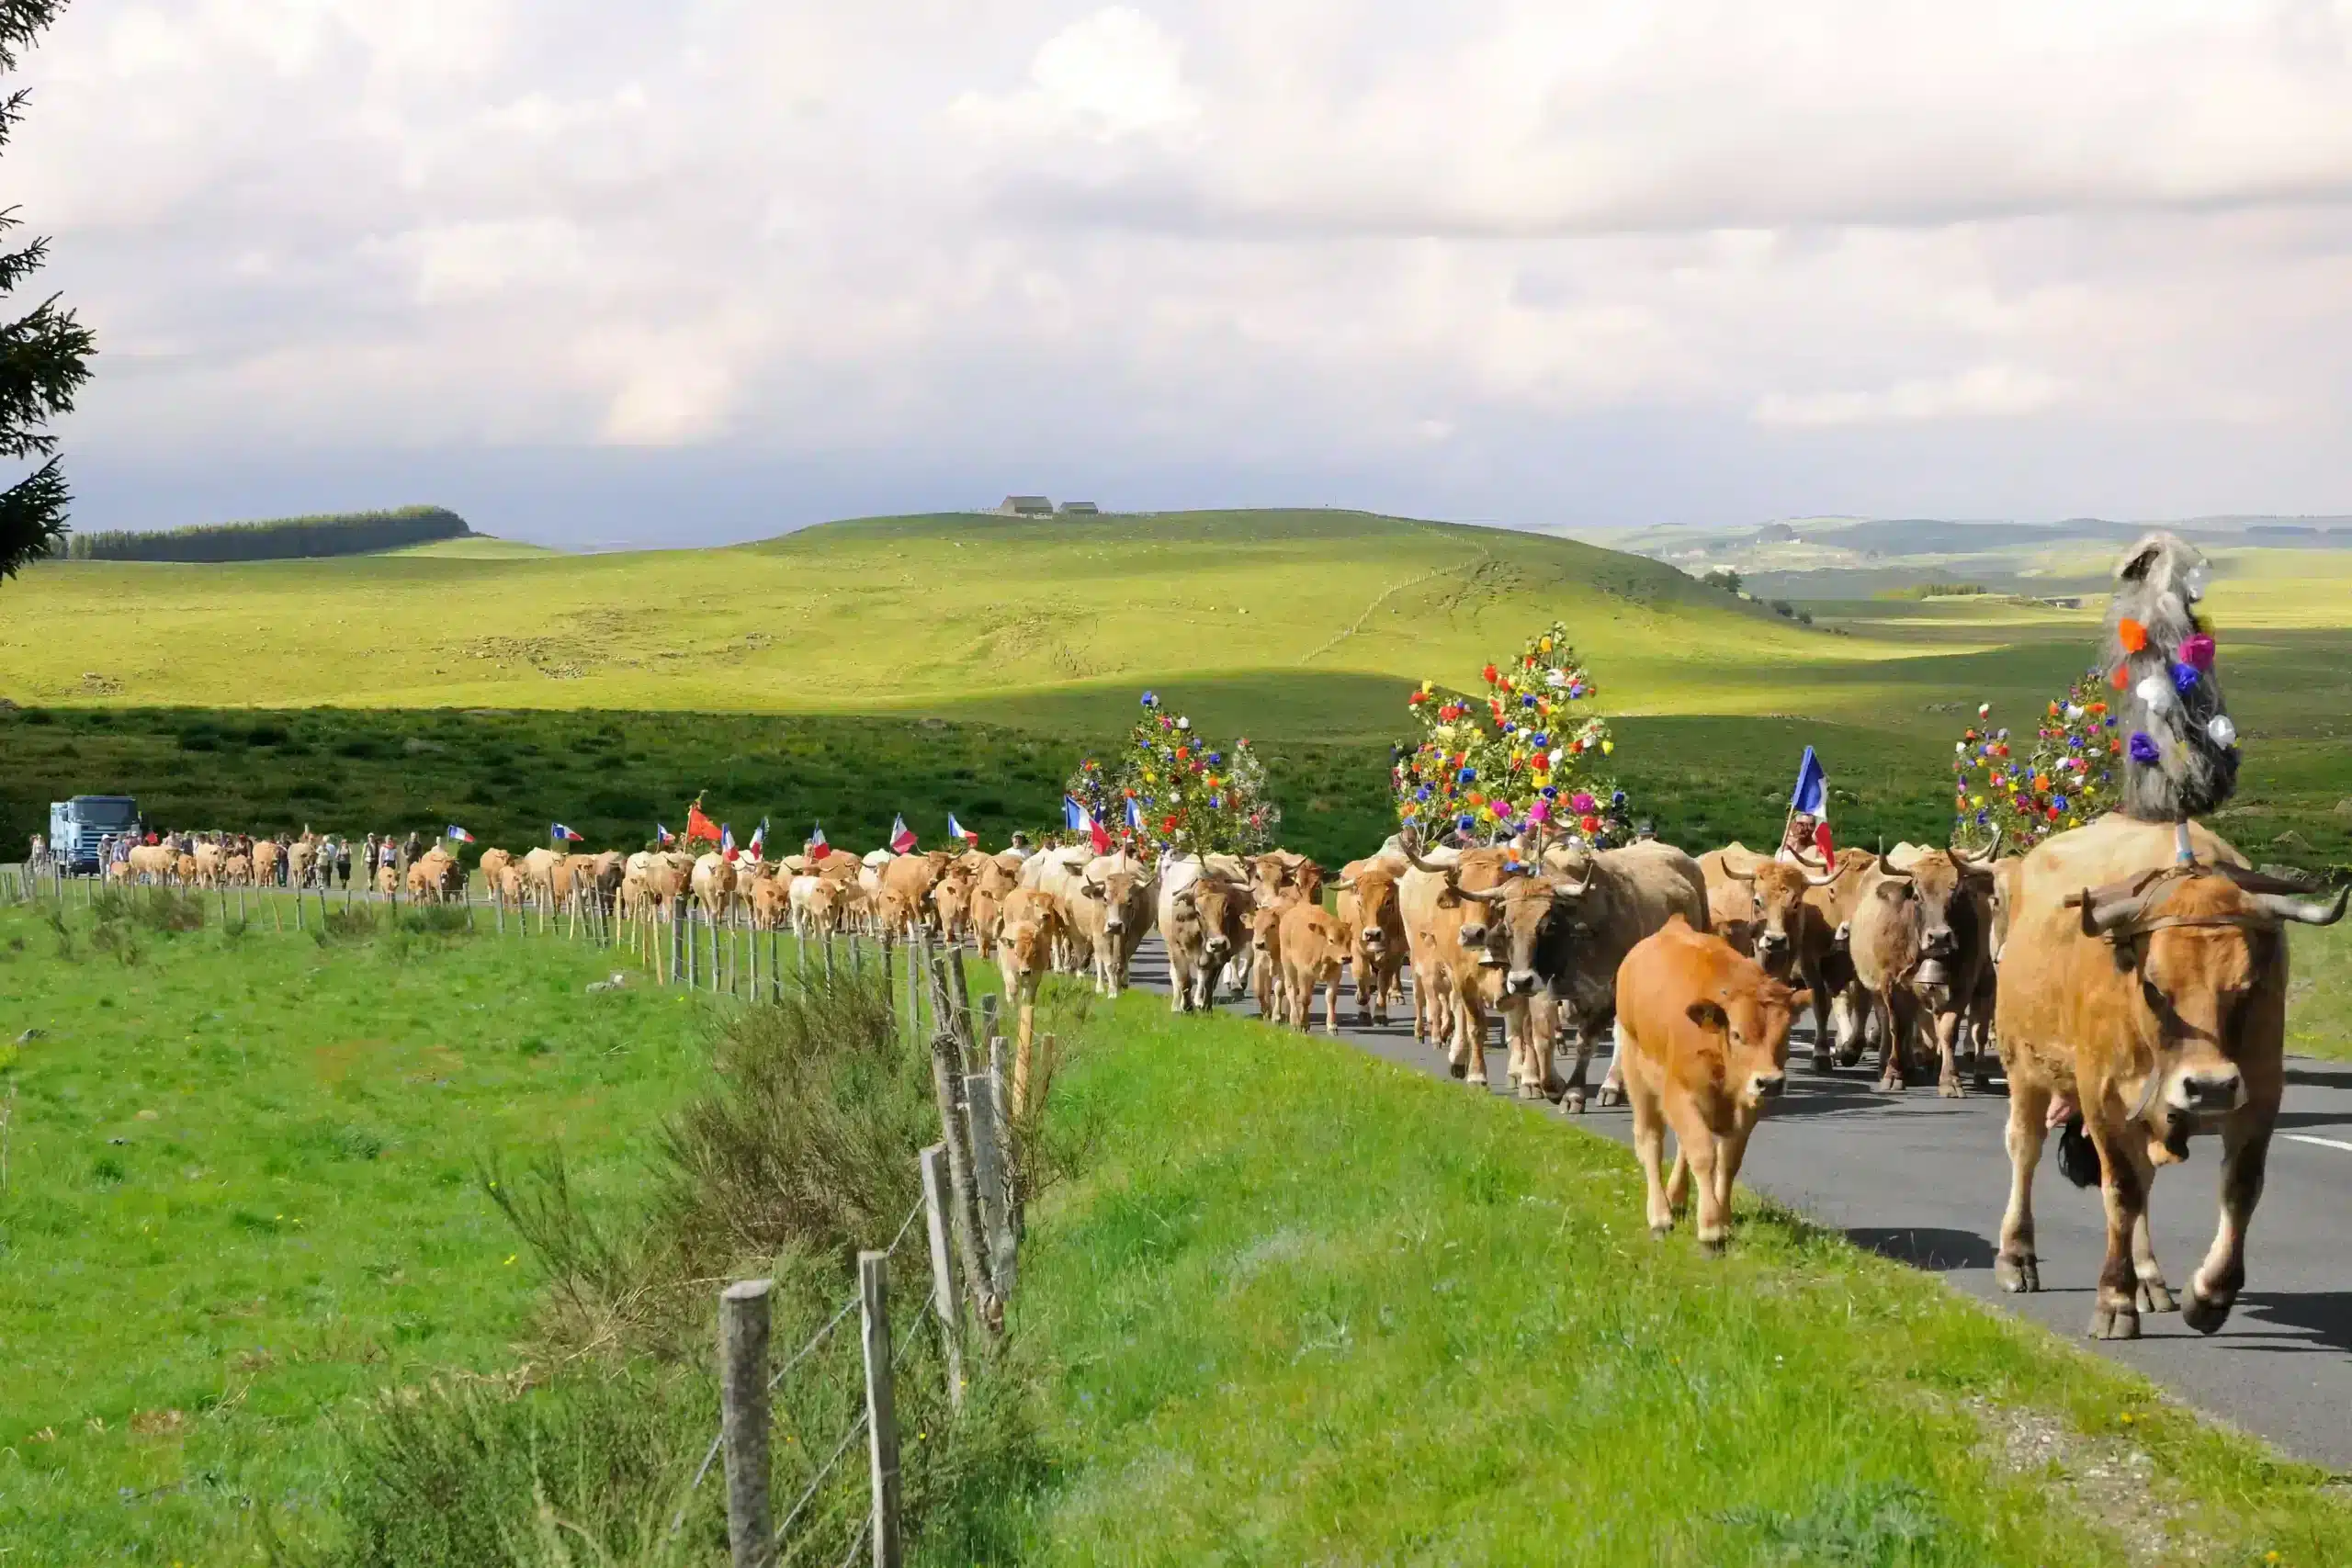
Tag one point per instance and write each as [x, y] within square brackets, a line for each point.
[2180, 751]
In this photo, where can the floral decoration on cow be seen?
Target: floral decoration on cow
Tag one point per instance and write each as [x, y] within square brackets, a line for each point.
[1186, 793]
[2064, 778]
[1524, 754]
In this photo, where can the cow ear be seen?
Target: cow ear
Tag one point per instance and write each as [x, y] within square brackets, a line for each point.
[1708, 1016]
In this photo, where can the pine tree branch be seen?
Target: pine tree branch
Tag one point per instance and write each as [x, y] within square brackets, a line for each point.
[21, 21]
[32, 517]
[44, 360]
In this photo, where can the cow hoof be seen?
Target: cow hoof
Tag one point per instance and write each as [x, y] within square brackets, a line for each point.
[1890, 1086]
[1949, 1089]
[1458, 1069]
[1713, 1245]
[1608, 1097]
[2204, 1313]
[2156, 1297]
[1573, 1101]
[2018, 1276]
[1530, 1091]
[1822, 1061]
[2119, 1322]
[1659, 1233]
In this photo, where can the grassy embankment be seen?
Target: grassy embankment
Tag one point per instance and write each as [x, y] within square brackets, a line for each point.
[1309, 1308]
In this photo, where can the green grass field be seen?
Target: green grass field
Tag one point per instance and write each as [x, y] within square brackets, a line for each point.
[1293, 1303]
[1309, 1307]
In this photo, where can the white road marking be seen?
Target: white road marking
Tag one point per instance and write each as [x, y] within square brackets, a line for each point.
[2323, 1143]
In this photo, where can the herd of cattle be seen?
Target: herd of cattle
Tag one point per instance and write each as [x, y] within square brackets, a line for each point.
[2129, 977]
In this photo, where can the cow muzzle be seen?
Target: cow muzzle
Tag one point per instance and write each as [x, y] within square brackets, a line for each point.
[1473, 933]
[1768, 1086]
[1115, 925]
[1373, 939]
[2208, 1091]
[1522, 983]
[1942, 941]
[1771, 944]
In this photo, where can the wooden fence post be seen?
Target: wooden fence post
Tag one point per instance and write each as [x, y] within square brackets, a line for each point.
[989, 1007]
[743, 1420]
[987, 1175]
[881, 1413]
[829, 958]
[943, 1268]
[947, 1078]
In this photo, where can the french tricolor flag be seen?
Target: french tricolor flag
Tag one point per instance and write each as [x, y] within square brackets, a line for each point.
[817, 847]
[1810, 798]
[1078, 819]
[1135, 815]
[902, 838]
[460, 834]
[957, 830]
[557, 830]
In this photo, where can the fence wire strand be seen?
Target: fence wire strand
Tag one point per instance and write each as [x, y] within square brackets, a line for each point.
[848, 1437]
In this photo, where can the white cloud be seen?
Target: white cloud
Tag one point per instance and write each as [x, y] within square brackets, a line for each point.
[1245, 243]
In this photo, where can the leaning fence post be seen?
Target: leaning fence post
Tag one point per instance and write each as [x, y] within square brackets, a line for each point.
[743, 1419]
[881, 1413]
[943, 1268]
[987, 1174]
[947, 1078]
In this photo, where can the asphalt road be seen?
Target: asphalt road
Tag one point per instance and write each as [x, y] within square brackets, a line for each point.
[1922, 1179]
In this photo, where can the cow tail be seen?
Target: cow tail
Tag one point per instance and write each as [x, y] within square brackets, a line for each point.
[2077, 1155]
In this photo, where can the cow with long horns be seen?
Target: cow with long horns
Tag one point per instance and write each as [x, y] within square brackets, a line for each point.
[1793, 915]
[1919, 940]
[2146, 995]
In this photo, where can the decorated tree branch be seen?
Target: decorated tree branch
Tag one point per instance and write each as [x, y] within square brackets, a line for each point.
[2063, 777]
[1523, 754]
[1170, 789]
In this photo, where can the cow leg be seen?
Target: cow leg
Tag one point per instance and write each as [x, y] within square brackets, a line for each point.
[2116, 1314]
[1647, 1148]
[1698, 1146]
[1946, 1048]
[1822, 999]
[2245, 1154]
[1331, 1004]
[1613, 1087]
[1180, 983]
[2016, 1268]
[1888, 1014]
[2152, 1293]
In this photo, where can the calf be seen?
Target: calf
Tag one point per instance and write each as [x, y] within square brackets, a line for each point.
[1314, 946]
[2151, 997]
[1705, 1044]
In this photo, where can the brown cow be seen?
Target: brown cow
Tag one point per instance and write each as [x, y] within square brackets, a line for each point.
[1204, 919]
[1705, 1032]
[1109, 913]
[1445, 930]
[1919, 940]
[1313, 945]
[2151, 997]
[1372, 912]
[996, 876]
[1795, 918]
[1266, 960]
[1027, 933]
[1730, 905]
[906, 885]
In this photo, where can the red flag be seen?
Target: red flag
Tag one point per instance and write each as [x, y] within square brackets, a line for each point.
[1821, 841]
[699, 827]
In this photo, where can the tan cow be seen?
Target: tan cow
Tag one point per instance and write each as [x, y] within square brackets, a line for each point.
[1110, 912]
[152, 863]
[905, 888]
[1445, 931]
[267, 858]
[1372, 912]
[1731, 912]
[388, 878]
[1204, 921]
[1266, 960]
[1919, 940]
[771, 903]
[429, 877]
[1795, 918]
[1026, 935]
[1313, 948]
[998, 875]
[1705, 1038]
[2150, 998]
[493, 865]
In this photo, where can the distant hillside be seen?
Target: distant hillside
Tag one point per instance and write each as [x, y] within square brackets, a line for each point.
[281, 538]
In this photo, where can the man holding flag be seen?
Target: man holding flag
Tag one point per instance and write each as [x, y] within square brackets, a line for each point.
[1805, 838]
[816, 847]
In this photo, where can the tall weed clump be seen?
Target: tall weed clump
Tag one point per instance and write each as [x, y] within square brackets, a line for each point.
[801, 1152]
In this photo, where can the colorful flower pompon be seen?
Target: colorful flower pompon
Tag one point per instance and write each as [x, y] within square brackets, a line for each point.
[2039, 783]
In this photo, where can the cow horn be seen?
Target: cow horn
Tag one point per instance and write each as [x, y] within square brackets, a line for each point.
[1476, 896]
[2303, 911]
[2107, 910]
[1826, 879]
[1886, 868]
[1991, 854]
[1345, 885]
[1748, 876]
[1414, 858]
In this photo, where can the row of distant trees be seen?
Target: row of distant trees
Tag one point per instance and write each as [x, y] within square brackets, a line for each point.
[283, 538]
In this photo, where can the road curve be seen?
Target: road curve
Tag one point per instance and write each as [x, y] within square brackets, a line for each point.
[1922, 1179]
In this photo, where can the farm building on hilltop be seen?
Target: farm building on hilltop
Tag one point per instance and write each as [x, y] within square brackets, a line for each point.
[1026, 506]
[1081, 509]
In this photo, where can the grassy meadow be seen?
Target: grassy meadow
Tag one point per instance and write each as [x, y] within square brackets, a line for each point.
[852, 671]
[1284, 1302]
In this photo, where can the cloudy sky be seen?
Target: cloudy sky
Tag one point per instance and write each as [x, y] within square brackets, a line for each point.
[706, 269]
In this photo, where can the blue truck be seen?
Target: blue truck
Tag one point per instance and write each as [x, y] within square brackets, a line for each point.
[77, 827]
